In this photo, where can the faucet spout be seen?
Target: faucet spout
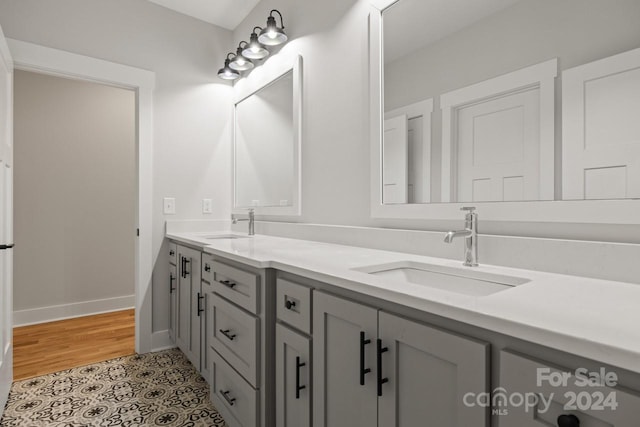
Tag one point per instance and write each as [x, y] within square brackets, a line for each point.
[448, 238]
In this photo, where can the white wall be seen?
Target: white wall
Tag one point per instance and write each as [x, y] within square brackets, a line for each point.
[74, 193]
[192, 107]
[332, 37]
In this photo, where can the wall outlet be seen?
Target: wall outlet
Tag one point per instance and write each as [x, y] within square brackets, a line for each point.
[169, 206]
[207, 206]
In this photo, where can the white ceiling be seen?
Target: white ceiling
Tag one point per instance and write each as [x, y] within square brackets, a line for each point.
[223, 13]
[412, 24]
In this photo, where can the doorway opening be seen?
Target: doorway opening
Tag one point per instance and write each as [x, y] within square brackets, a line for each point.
[75, 221]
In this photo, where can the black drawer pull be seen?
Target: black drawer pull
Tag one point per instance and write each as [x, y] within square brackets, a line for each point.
[207, 268]
[171, 253]
[289, 305]
[227, 333]
[568, 421]
[227, 283]
[230, 400]
[363, 371]
[381, 380]
[171, 280]
[200, 309]
[298, 386]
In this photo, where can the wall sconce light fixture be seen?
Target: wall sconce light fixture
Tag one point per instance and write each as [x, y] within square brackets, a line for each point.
[226, 72]
[247, 53]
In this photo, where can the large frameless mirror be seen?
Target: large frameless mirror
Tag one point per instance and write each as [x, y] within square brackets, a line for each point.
[506, 100]
[267, 146]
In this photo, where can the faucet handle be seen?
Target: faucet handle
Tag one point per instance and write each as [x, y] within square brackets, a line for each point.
[468, 208]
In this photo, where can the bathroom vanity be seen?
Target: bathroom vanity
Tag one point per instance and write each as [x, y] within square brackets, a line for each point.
[302, 333]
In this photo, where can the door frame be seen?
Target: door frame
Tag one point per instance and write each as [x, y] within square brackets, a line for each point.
[44, 60]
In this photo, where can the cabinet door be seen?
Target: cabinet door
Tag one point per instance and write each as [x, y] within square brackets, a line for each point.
[173, 301]
[188, 318]
[591, 405]
[343, 359]
[205, 333]
[293, 389]
[428, 372]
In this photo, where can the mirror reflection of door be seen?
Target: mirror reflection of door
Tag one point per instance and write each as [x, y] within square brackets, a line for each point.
[395, 161]
[498, 149]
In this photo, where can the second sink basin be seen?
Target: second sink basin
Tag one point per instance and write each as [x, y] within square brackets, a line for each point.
[461, 280]
[225, 236]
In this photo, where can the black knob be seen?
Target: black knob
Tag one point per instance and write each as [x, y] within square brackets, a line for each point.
[207, 267]
[172, 253]
[568, 421]
[289, 304]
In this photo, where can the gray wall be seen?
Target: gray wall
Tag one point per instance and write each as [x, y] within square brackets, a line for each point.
[191, 107]
[75, 180]
[527, 33]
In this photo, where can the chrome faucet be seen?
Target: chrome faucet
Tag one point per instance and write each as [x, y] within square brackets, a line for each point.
[251, 220]
[470, 234]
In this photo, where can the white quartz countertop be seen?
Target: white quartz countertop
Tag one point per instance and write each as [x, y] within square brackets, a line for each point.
[595, 319]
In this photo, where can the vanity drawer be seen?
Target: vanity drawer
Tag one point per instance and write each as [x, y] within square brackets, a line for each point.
[293, 302]
[172, 253]
[207, 268]
[232, 396]
[519, 374]
[234, 335]
[237, 285]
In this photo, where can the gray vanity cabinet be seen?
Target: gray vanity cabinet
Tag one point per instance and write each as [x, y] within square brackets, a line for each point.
[293, 375]
[189, 304]
[344, 371]
[582, 405]
[428, 371]
[373, 368]
[173, 290]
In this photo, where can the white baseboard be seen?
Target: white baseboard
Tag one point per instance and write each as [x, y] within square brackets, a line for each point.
[52, 313]
[160, 341]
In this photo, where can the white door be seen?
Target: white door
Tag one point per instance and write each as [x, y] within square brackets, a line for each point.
[395, 161]
[6, 221]
[601, 129]
[499, 149]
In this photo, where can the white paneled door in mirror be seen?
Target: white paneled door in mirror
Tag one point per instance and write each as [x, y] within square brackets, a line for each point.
[601, 129]
[6, 221]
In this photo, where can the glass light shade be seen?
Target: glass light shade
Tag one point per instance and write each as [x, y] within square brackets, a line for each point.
[240, 63]
[254, 49]
[272, 35]
[226, 73]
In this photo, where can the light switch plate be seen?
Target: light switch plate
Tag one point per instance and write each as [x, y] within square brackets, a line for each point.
[207, 206]
[169, 206]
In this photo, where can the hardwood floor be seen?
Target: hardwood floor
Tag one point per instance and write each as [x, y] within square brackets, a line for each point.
[56, 346]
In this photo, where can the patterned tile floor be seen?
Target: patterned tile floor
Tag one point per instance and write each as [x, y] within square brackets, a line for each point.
[155, 389]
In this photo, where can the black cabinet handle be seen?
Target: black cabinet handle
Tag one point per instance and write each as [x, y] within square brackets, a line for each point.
[363, 371]
[186, 261]
[171, 253]
[171, 280]
[227, 283]
[207, 268]
[379, 352]
[568, 421]
[182, 266]
[200, 309]
[298, 386]
[227, 333]
[229, 400]
[289, 305]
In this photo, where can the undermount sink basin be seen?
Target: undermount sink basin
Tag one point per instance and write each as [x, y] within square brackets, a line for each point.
[225, 236]
[463, 280]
